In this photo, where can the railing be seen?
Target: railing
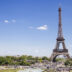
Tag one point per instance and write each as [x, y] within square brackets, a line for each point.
[60, 50]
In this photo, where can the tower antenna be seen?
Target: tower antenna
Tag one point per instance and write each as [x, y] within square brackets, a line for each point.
[59, 5]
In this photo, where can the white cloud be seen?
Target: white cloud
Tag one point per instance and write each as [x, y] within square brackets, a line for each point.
[44, 27]
[9, 21]
[6, 21]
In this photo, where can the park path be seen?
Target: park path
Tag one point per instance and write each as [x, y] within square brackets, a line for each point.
[31, 70]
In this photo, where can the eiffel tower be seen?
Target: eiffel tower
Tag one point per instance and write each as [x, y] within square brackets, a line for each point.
[60, 40]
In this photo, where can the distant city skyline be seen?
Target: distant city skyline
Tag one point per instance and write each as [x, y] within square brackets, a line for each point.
[30, 27]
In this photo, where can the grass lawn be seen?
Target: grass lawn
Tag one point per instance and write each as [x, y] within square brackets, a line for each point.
[9, 70]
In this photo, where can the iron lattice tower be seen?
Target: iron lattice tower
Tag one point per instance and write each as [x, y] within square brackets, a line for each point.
[60, 40]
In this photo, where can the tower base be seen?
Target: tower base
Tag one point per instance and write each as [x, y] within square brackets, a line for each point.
[59, 52]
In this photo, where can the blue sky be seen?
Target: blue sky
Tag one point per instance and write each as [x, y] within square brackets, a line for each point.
[29, 27]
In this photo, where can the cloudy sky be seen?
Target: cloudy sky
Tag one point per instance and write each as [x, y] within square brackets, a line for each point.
[29, 27]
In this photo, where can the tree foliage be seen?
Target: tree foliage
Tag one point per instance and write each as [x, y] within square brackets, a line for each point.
[21, 60]
[68, 62]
